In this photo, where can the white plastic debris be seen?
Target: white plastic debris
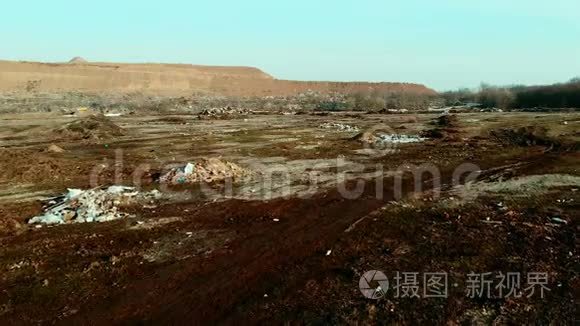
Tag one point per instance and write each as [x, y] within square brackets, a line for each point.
[118, 189]
[559, 220]
[93, 205]
[188, 168]
[328, 252]
[72, 193]
[399, 139]
[339, 126]
[228, 110]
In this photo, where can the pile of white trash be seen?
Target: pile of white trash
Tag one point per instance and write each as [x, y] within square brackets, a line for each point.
[225, 111]
[399, 139]
[369, 137]
[339, 127]
[92, 205]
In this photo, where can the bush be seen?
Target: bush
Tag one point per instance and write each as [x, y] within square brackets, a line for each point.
[495, 97]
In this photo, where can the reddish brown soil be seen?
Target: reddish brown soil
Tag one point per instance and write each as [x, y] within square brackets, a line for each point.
[170, 79]
[285, 260]
[236, 253]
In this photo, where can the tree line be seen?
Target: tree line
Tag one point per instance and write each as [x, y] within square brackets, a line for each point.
[561, 95]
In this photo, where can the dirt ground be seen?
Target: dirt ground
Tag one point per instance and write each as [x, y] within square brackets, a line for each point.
[285, 244]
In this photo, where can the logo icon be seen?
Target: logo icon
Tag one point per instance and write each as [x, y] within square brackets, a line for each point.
[368, 284]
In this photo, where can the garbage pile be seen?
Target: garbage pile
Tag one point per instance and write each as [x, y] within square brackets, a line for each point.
[371, 138]
[94, 127]
[93, 205]
[223, 113]
[339, 127]
[446, 120]
[399, 139]
[206, 170]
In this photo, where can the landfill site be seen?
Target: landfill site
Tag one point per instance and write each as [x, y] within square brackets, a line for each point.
[208, 195]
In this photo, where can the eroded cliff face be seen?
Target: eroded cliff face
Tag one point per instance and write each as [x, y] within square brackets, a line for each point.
[170, 79]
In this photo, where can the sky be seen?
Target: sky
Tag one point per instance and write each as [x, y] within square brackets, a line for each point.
[444, 44]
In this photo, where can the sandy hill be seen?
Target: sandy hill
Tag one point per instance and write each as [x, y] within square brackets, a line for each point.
[78, 60]
[168, 79]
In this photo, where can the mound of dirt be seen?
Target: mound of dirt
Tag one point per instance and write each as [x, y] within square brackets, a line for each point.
[206, 170]
[446, 128]
[446, 121]
[532, 136]
[366, 137]
[524, 136]
[78, 60]
[96, 127]
[55, 149]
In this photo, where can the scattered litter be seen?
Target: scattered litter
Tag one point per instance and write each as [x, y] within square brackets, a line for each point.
[206, 170]
[559, 220]
[93, 205]
[222, 113]
[276, 220]
[487, 221]
[154, 223]
[339, 127]
[113, 114]
[370, 138]
[400, 139]
[308, 147]
[328, 252]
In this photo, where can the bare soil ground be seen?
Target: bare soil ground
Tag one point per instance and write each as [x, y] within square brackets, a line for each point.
[170, 79]
[292, 248]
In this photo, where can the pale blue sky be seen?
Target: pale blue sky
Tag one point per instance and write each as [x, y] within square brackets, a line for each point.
[444, 44]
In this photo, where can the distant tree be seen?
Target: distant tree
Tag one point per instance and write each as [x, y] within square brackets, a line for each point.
[458, 97]
[495, 97]
[368, 101]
